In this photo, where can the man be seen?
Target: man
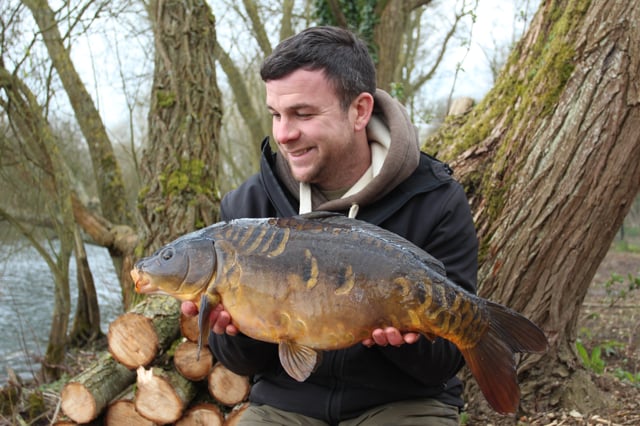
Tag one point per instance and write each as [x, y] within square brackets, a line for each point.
[344, 146]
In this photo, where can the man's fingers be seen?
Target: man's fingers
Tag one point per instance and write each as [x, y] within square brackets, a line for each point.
[222, 320]
[189, 309]
[390, 336]
[411, 338]
[379, 337]
[394, 337]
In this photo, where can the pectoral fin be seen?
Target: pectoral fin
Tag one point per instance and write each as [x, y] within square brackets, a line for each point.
[298, 361]
[207, 303]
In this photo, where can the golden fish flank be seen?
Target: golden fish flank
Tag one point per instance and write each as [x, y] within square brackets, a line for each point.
[323, 282]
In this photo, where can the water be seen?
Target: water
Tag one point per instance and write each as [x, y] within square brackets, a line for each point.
[26, 303]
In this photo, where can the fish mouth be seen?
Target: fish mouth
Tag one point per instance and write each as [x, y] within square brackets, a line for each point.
[142, 284]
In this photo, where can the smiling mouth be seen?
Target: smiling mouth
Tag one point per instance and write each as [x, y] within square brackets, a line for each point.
[298, 152]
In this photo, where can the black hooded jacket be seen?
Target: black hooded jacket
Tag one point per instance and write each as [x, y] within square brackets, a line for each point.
[428, 208]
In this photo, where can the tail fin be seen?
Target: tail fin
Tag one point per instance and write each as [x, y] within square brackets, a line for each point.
[492, 361]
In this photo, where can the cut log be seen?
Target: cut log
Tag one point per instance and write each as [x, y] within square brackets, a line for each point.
[136, 336]
[123, 412]
[227, 387]
[233, 417]
[187, 363]
[189, 327]
[202, 414]
[132, 340]
[85, 396]
[162, 395]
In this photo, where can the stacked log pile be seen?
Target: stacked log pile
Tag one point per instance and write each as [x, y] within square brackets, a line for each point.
[151, 375]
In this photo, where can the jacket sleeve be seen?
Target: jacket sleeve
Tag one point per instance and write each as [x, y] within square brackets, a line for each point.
[452, 240]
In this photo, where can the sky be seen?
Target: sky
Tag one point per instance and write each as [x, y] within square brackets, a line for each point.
[496, 25]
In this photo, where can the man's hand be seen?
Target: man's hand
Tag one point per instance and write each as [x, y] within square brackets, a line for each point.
[220, 319]
[390, 336]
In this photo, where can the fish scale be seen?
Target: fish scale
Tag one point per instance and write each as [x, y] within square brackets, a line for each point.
[322, 281]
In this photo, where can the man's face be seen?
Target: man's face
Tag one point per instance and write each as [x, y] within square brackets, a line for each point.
[316, 136]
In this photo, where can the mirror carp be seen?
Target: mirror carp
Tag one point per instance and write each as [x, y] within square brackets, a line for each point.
[322, 281]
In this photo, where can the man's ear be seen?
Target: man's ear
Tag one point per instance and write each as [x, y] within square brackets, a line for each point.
[363, 107]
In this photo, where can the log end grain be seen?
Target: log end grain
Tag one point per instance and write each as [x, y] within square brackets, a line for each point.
[132, 339]
[187, 363]
[189, 327]
[227, 387]
[123, 412]
[202, 414]
[156, 398]
[78, 403]
[233, 417]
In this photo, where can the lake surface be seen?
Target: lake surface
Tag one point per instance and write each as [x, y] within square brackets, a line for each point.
[26, 303]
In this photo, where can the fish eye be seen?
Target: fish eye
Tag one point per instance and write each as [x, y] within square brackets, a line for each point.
[166, 254]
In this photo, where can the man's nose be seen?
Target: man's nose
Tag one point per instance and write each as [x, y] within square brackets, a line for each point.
[285, 131]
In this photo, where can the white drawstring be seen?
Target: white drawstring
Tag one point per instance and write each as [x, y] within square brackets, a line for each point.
[353, 211]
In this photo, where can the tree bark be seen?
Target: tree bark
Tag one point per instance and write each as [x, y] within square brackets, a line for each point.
[180, 192]
[85, 396]
[136, 337]
[552, 164]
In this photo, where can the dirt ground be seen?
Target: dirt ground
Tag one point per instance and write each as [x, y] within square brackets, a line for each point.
[609, 322]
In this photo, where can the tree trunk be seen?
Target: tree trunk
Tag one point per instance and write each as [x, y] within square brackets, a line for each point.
[121, 239]
[86, 323]
[85, 396]
[180, 192]
[552, 165]
[389, 36]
